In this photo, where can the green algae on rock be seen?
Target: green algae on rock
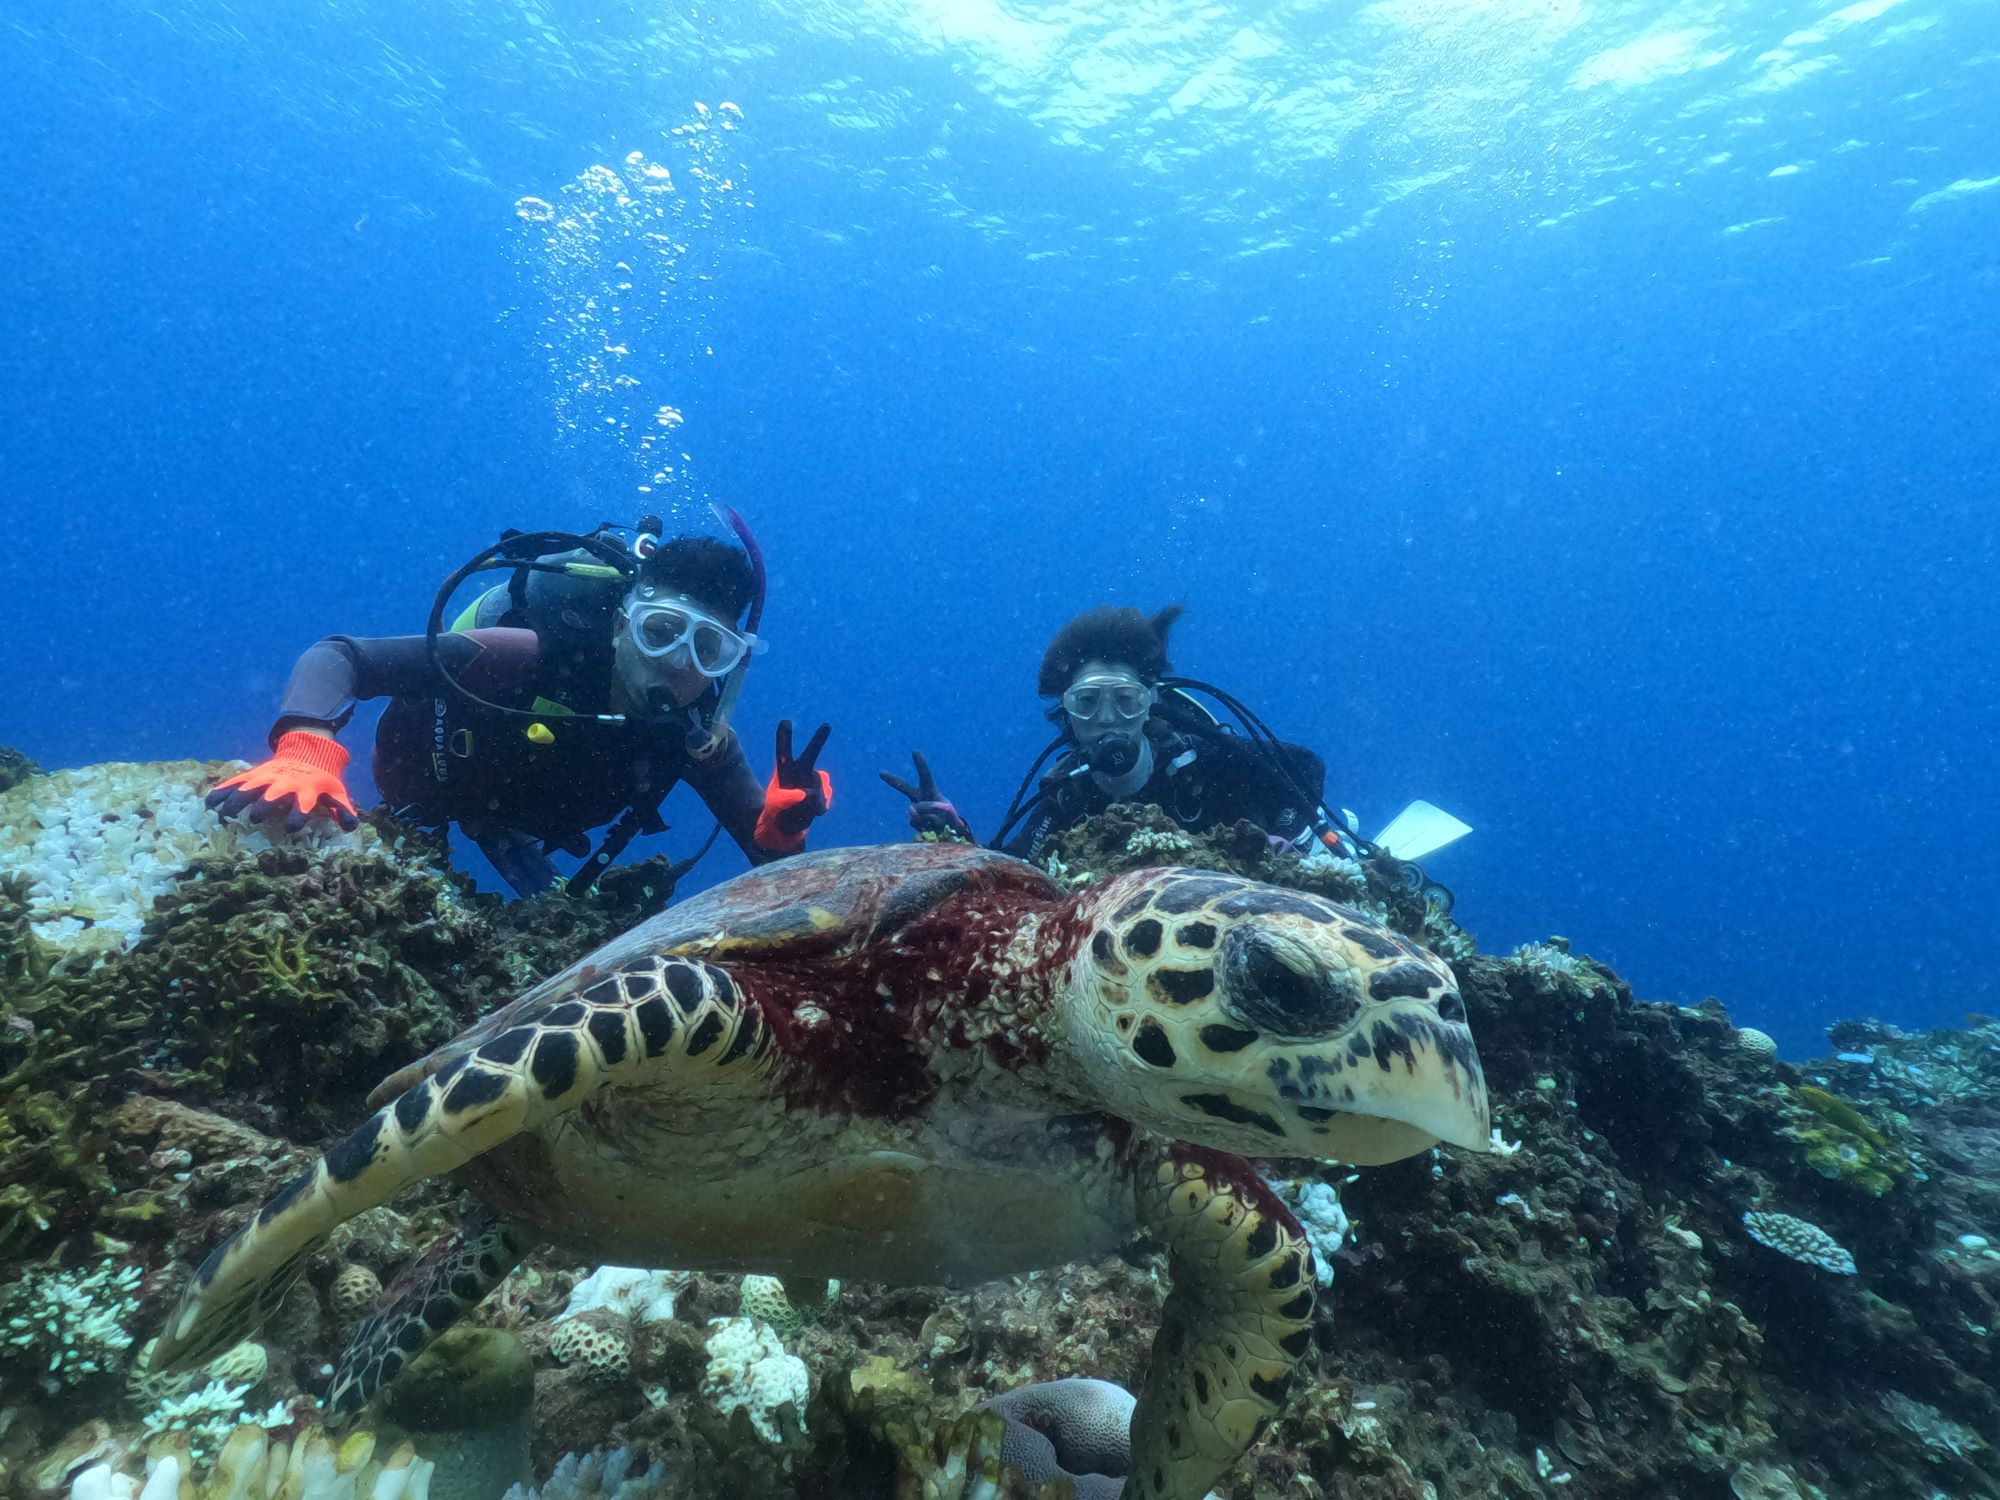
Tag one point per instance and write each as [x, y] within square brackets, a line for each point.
[1840, 1143]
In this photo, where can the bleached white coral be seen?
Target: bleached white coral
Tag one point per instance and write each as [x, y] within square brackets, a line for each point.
[642, 1296]
[1551, 962]
[1547, 958]
[206, 1417]
[1323, 861]
[1324, 1221]
[1803, 1242]
[74, 1322]
[749, 1368]
[1757, 1046]
[596, 1476]
[244, 1364]
[98, 845]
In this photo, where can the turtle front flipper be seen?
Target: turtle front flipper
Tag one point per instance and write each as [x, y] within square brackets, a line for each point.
[656, 1017]
[1236, 1322]
[451, 1279]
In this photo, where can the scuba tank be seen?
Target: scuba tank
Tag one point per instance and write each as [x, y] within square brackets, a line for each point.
[571, 584]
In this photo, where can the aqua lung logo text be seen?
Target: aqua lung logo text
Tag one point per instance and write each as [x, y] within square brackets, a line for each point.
[440, 766]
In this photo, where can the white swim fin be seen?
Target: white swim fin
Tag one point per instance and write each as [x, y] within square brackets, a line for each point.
[1421, 829]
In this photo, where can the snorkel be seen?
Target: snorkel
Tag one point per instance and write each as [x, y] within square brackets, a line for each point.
[704, 740]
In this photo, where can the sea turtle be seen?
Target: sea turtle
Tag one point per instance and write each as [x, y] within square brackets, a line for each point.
[922, 1063]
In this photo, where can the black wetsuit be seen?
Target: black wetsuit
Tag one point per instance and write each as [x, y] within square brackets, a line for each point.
[1202, 776]
[439, 758]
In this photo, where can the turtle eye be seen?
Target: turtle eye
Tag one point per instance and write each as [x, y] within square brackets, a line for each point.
[1267, 988]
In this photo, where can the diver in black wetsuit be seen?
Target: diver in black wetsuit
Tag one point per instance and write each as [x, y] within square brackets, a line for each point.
[579, 692]
[1131, 733]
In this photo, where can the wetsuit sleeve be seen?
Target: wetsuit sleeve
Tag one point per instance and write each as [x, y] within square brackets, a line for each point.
[727, 784]
[340, 671]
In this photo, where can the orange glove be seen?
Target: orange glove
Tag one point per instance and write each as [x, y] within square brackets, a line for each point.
[304, 767]
[798, 793]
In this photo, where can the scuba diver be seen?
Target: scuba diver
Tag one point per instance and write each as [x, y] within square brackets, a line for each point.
[581, 690]
[1132, 732]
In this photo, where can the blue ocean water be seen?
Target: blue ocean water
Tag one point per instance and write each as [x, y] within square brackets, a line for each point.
[1582, 416]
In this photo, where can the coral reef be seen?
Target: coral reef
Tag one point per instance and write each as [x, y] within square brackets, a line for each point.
[749, 1370]
[1795, 1239]
[1841, 1144]
[767, 1300]
[15, 768]
[598, 1344]
[1689, 1268]
[308, 1465]
[1079, 1430]
[147, 949]
[617, 1475]
[72, 1324]
[642, 1296]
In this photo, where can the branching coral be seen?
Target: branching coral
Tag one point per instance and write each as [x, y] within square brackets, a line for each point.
[73, 1324]
[206, 1417]
[1551, 963]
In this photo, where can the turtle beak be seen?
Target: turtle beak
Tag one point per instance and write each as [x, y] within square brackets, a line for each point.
[1396, 1081]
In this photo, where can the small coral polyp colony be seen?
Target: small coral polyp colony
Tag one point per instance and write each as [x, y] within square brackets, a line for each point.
[1689, 1267]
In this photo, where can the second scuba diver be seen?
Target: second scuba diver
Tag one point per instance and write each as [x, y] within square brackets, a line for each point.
[1131, 732]
[581, 691]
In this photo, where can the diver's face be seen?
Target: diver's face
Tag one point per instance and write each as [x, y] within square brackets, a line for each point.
[1104, 699]
[648, 680]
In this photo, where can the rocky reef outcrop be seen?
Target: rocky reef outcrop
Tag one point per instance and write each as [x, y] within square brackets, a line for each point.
[1689, 1268]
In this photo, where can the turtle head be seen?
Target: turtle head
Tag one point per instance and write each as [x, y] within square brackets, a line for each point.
[1267, 1022]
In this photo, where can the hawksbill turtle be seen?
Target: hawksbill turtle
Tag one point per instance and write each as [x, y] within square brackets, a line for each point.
[916, 1064]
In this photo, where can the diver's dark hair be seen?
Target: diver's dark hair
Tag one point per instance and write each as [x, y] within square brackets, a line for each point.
[1110, 632]
[710, 572]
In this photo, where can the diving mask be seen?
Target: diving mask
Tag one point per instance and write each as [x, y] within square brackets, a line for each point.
[661, 627]
[1109, 696]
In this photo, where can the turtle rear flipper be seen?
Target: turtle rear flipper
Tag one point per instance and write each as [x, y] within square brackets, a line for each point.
[641, 1023]
[451, 1279]
[1236, 1322]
